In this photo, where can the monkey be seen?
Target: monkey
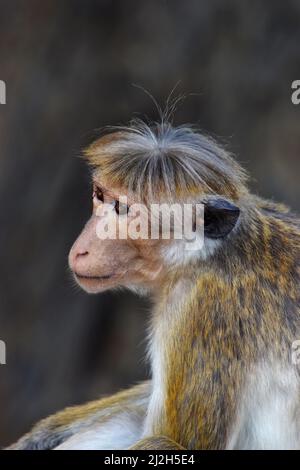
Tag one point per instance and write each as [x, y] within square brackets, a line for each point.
[224, 318]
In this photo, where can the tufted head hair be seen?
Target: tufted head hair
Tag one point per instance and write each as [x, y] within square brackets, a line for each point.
[160, 161]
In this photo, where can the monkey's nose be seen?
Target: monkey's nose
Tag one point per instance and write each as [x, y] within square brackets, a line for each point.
[77, 258]
[81, 254]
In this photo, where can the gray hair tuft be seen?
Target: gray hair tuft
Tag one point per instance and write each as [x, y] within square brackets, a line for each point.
[161, 160]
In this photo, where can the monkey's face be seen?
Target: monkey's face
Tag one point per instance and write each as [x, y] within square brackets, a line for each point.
[124, 245]
[109, 252]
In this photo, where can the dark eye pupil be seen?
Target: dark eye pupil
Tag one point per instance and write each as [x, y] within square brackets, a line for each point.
[99, 194]
[121, 209]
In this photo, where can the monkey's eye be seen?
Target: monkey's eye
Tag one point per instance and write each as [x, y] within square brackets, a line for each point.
[120, 208]
[98, 194]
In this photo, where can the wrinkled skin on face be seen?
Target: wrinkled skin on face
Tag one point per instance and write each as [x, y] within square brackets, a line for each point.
[99, 264]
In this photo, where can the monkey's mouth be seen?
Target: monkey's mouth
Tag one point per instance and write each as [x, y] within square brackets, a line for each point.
[82, 277]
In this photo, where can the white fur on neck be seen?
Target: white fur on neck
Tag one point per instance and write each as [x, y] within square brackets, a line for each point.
[177, 253]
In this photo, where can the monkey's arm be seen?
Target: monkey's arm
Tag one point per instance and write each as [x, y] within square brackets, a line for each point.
[156, 443]
[56, 429]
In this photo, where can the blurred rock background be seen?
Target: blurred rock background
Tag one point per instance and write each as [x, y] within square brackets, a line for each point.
[69, 67]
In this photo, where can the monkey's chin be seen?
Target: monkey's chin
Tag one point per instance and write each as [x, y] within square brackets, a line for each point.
[95, 285]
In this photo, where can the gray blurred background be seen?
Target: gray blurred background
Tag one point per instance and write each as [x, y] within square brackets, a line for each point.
[69, 67]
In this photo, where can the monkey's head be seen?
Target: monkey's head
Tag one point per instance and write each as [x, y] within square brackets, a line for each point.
[137, 170]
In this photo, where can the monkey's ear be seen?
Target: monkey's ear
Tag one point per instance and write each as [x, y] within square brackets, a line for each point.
[220, 217]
